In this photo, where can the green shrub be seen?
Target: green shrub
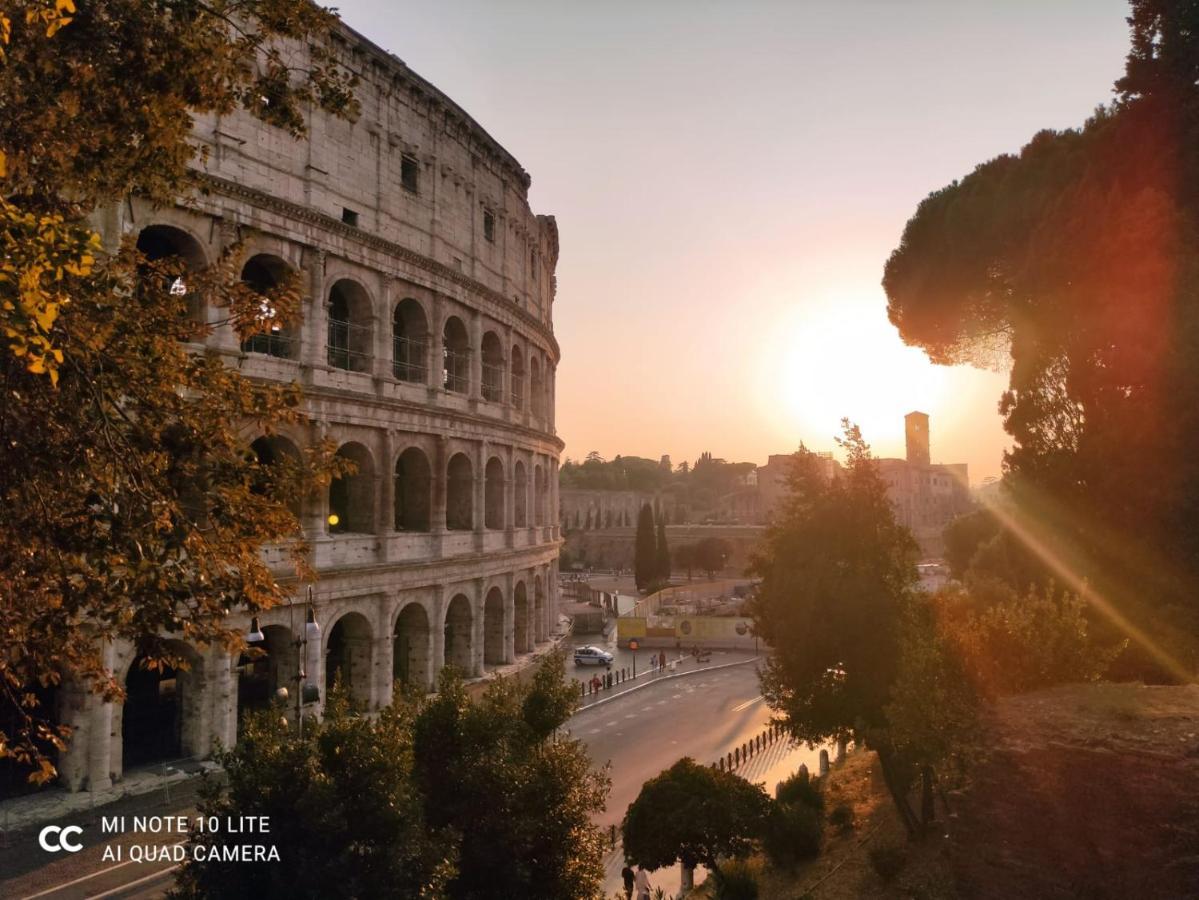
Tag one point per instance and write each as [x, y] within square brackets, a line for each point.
[888, 861]
[801, 789]
[736, 880]
[841, 817]
[793, 833]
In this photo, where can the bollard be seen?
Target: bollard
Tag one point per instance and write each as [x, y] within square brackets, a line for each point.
[612, 836]
[823, 763]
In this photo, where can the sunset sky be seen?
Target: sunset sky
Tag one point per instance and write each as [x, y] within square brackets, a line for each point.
[729, 179]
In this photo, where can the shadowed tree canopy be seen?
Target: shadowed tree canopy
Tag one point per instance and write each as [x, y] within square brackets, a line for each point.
[1078, 257]
[645, 550]
[133, 507]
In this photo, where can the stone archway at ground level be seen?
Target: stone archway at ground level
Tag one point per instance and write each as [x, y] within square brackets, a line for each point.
[523, 632]
[161, 717]
[412, 648]
[459, 635]
[493, 628]
[348, 658]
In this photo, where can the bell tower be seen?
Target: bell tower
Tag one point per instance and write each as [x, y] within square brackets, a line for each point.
[916, 429]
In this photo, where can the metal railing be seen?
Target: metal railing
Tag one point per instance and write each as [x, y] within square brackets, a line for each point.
[270, 343]
[493, 382]
[456, 374]
[518, 391]
[348, 346]
[408, 359]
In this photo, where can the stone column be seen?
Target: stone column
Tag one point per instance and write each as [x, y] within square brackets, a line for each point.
[381, 332]
[475, 390]
[441, 459]
[480, 491]
[223, 690]
[510, 499]
[436, 634]
[314, 340]
[510, 619]
[315, 509]
[223, 335]
[385, 509]
[384, 674]
[477, 642]
[436, 379]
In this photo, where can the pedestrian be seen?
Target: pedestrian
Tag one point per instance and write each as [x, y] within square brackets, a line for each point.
[662, 660]
[627, 874]
[641, 882]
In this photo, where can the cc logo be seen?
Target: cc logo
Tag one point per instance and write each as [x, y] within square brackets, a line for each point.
[55, 837]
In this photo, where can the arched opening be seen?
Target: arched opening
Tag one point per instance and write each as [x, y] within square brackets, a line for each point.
[456, 353]
[460, 488]
[413, 491]
[182, 254]
[162, 706]
[540, 625]
[536, 398]
[493, 628]
[349, 334]
[411, 648]
[523, 638]
[348, 657]
[539, 497]
[279, 463]
[352, 497]
[409, 342]
[458, 634]
[493, 494]
[518, 378]
[264, 668]
[493, 368]
[264, 273]
[521, 477]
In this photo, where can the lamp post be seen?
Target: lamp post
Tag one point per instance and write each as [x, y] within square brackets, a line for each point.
[311, 633]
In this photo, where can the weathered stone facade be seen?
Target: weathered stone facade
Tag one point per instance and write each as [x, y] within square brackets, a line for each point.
[426, 352]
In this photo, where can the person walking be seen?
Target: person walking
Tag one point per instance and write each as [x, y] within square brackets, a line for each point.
[641, 882]
[627, 875]
[662, 661]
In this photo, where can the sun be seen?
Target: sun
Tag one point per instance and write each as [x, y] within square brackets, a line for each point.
[844, 360]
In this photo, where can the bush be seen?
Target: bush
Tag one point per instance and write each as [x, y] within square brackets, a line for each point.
[841, 817]
[735, 880]
[801, 789]
[793, 833]
[888, 861]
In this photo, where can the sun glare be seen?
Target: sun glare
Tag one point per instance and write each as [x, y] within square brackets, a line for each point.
[835, 360]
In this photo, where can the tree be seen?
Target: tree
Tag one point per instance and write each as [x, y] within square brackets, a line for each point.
[645, 550]
[693, 814]
[685, 557]
[963, 536]
[1076, 256]
[836, 604]
[518, 797]
[132, 506]
[662, 553]
[711, 555]
[344, 812]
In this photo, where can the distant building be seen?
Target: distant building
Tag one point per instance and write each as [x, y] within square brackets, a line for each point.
[772, 480]
[926, 496]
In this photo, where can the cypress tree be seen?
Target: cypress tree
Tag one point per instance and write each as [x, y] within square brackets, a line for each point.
[645, 555]
[662, 554]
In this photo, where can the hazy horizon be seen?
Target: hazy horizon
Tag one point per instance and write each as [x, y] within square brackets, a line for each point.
[728, 182]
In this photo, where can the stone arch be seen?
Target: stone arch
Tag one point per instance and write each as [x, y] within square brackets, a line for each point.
[348, 657]
[352, 497]
[262, 273]
[460, 491]
[456, 356]
[348, 337]
[413, 491]
[159, 243]
[536, 398]
[493, 628]
[412, 647]
[493, 367]
[518, 377]
[409, 341]
[523, 638]
[539, 496]
[541, 622]
[459, 635]
[264, 668]
[493, 493]
[162, 716]
[278, 458]
[521, 477]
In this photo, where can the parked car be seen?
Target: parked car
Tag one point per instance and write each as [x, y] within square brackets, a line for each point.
[592, 656]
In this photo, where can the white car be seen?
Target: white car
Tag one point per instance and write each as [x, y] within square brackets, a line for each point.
[592, 656]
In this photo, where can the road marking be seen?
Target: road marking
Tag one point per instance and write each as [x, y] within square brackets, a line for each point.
[126, 887]
[747, 704]
[630, 716]
[610, 724]
[105, 871]
[594, 731]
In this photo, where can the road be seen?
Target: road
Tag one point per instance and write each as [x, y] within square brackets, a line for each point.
[703, 715]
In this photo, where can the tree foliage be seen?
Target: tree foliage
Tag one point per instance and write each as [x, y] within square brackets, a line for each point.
[1076, 255]
[518, 799]
[712, 554]
[693, 814]
[645, 550]
[838, 605]
[132, 507]
[662, 551]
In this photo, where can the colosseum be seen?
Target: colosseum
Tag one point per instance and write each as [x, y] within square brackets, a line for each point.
[426, 352]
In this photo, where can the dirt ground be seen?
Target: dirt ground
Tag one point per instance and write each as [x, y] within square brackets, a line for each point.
[1091, 792]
